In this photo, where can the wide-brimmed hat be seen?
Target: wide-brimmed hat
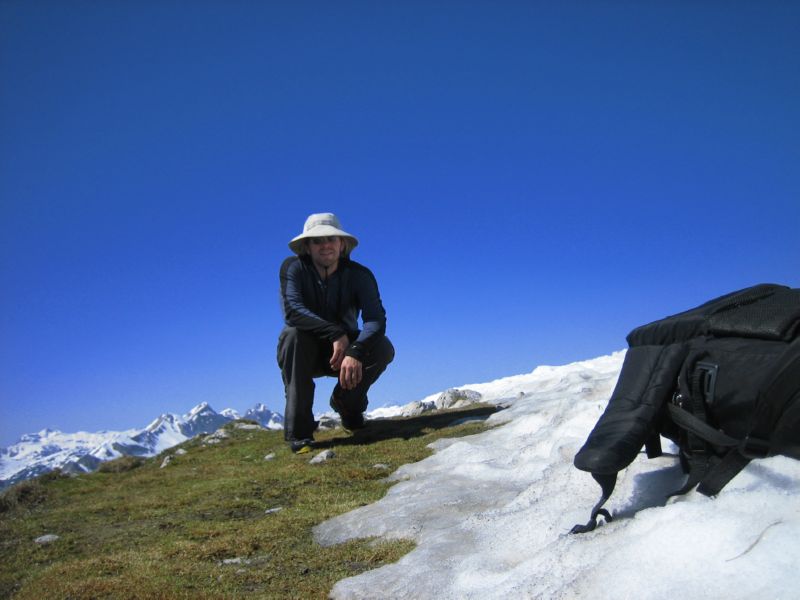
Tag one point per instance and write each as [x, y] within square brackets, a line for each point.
[321, 225]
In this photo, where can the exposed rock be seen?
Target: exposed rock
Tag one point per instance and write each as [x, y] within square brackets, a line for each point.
[329, 421]
[46, 539]
[247, 426]
[270, 511]
[322, 457]
[166, 461]
[416, 408]
[180, 451]
[270, 456]
[216, 437]
[455, 398]
[452, 398]
[381, 466]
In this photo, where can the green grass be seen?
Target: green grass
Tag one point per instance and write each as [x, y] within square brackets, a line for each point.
[201, 527]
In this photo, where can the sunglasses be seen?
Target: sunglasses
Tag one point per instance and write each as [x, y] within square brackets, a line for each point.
[323, 240]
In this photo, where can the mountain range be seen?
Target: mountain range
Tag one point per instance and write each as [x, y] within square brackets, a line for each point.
[38, 453]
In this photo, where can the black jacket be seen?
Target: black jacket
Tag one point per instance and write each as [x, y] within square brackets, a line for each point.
[329, 308]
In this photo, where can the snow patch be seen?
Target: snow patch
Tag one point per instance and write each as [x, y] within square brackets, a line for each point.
[491, 512]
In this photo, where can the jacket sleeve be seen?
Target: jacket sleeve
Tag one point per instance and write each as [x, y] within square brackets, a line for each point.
[373, 314]
[296, 310]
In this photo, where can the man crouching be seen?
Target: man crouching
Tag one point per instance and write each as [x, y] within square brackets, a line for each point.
[322, 294]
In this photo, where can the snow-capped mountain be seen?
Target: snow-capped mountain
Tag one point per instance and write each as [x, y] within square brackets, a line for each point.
[38, 453]
[261, 414]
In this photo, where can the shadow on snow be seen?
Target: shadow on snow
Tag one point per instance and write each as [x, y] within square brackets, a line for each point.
[410, 427]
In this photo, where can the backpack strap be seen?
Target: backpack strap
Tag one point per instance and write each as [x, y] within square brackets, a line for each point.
[652, 445]
[701, 460]
[706, 469]
[607, 483]
[771, 404]
[699, 428]
[688, 411]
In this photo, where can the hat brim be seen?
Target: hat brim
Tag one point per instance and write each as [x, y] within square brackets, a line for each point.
[297, 245]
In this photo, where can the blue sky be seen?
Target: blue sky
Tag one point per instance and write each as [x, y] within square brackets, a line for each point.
[528, 180]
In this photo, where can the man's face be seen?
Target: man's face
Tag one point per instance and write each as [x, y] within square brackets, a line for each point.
[325, 251]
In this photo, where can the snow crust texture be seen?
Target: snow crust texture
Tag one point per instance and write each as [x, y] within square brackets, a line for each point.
[491, 513]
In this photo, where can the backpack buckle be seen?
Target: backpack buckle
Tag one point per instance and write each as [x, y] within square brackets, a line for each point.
[709, 381]
[754, 448]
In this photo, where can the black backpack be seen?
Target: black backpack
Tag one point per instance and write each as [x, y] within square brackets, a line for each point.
[722, 381]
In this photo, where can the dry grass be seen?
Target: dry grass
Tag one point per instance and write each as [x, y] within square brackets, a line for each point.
[207, 526]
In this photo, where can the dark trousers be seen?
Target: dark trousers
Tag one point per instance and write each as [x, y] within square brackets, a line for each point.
[302, 357]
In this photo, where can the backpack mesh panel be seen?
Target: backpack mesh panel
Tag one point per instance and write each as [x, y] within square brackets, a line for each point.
[775, 317]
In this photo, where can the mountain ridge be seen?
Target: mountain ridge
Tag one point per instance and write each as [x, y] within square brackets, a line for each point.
[38, 453]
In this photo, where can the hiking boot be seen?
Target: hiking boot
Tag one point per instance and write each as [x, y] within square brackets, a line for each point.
[353, 422]
[350, 421]
[301, 446]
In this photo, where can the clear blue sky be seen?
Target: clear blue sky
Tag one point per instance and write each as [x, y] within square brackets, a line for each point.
[529, 181]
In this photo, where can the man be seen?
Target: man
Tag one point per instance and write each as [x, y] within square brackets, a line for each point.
[322, 294]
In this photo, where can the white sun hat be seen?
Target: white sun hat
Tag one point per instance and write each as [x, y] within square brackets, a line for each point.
[321, 225]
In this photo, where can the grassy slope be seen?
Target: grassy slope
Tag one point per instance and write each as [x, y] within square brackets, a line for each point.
[147, 532]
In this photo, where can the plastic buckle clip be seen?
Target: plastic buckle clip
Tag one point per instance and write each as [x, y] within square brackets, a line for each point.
[709, 381]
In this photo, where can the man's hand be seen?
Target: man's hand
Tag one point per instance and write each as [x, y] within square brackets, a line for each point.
[350, 372]
[339, 346]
